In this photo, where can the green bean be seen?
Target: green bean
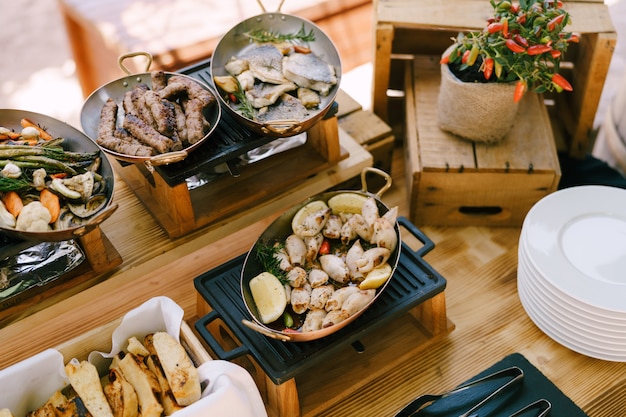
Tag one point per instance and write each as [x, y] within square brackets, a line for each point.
[43, 160]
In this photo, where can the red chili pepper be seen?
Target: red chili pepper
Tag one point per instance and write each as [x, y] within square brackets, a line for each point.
[232, 98]
[445, 59]
[556, 21]
[521, 19]
[505, 28]
[538, 49]
[555, 53]
[324, 248]
[465, 57]
[521, 40]
[520, 89]
[515, 7]
[561, 82]
[574, 38]
[494, 27]
[488, 68]
[514, 46]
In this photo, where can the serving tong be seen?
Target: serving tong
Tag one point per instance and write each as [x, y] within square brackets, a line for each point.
[516, 375]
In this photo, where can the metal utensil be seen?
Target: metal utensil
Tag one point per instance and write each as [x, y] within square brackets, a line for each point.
[516, 375]
[543, 406]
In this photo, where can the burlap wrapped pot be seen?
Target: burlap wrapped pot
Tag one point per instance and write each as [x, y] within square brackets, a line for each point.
[480, 112]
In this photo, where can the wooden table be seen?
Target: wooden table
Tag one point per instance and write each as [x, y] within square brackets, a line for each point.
[425, 27]
[399, 363]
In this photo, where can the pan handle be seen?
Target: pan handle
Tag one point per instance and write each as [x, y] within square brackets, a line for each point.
[263, 7]
[123, 57]
[165, 159]
[201, 327]
[282, 127]
[419, 235]
[265, 332]
[380, 172]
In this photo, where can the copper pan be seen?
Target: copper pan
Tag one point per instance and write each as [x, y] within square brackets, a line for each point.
[73, 140]
[234, 42]
[90, 112]
[280, 229]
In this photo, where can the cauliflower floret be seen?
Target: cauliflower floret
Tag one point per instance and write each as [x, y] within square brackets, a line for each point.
[34, 217]
[6, 218]
[11, 170]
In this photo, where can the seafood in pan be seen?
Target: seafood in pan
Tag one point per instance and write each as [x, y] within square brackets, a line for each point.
[329, 267]
[276, 78]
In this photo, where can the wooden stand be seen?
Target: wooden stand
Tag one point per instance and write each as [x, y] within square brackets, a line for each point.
[101, 257]
[350, 373]
[180, 211]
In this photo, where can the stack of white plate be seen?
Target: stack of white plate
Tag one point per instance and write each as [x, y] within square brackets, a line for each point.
[572, 269]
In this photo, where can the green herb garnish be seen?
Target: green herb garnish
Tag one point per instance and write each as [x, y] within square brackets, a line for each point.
[245, 107]
[265, 256]
[268, 35]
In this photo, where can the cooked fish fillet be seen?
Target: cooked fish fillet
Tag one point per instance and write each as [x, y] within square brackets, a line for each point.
[309, 98]
[287, 108]
[266, 63]
[308, 70]
[236, 66]
[264, 94]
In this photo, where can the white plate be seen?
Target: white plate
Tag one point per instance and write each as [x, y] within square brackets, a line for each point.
[576, 239]
[563, 339]
[596, 317]
[575, 324]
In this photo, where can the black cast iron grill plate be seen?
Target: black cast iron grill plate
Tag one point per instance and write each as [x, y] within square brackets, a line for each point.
[414, 281]
[229, 141]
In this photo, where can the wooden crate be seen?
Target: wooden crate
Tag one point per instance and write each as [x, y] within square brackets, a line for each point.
[454, 182]
[425, 27]
[369, 130]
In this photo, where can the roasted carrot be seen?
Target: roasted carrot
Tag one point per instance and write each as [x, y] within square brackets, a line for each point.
[50, 201]
[42, 133]
[9, 135]
[13, 202]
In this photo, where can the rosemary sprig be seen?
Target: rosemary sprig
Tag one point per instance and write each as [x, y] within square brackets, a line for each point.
[265, 256]
[269, 35]
[245, 107]
[12, 184]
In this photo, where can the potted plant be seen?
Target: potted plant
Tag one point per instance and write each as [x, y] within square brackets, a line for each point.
[519, 50]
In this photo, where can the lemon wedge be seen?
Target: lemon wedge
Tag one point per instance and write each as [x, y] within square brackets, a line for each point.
[306, 211]
[347, 203]
[376, 277]
[269, 296]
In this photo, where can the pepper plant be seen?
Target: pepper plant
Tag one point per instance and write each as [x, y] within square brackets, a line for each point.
[523, 41]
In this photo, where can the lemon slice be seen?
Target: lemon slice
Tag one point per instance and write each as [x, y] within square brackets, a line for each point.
[376, 277]
[269, 296]
[305, 211]
[347, 203]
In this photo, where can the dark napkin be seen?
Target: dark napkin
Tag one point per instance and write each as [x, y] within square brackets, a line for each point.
[534, 386]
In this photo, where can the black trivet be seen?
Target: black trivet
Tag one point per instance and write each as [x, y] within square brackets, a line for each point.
[229, 141]
[413, 282]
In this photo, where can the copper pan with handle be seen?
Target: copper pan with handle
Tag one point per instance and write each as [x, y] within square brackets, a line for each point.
[278, 230]
[237, 40]
[90, 112]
